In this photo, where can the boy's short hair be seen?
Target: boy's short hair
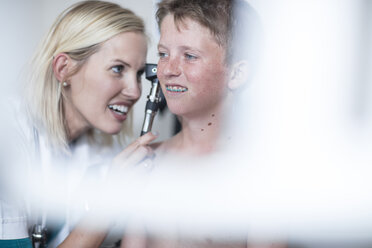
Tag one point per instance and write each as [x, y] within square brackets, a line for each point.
[233, 23]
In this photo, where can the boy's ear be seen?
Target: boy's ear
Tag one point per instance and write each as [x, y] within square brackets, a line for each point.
[61, 66]
[239, 74]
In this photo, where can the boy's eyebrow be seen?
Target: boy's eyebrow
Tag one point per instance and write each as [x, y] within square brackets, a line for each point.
[181, 47]
[161, 46]
[190, 48]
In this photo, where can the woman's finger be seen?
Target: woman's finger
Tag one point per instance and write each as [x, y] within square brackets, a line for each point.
[141, 141]
[138, 155]
[130, 156]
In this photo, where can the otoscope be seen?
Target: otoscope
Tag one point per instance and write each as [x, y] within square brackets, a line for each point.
[152, 99]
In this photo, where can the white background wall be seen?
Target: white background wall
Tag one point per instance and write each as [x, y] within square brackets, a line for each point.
[23, 24]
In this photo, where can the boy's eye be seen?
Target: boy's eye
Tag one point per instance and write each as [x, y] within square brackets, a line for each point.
[190, 56]
[117, 68]
[162, 54]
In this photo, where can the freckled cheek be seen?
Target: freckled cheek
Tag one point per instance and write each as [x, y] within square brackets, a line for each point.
[194, 74]
[160, 71]
[206, 80]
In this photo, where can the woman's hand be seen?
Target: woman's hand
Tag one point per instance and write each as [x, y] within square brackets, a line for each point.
[138, 152]
[133, 161]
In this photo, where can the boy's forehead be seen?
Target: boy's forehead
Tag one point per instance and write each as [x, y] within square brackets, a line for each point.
[190, 35]
[186, 25]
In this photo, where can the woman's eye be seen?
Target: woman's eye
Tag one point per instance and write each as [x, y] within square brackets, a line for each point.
[190, 56]
[117, 68]
[139, 75]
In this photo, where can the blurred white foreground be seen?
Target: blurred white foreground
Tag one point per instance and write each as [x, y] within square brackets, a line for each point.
[298, 166]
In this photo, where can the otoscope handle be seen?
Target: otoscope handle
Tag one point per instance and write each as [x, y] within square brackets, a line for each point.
[152, 99]
[147, 123]
[153, 106]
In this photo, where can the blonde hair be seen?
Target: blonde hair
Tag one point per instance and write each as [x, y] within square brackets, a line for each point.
[78, 31]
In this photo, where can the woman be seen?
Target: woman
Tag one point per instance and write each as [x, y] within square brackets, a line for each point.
[84, 81]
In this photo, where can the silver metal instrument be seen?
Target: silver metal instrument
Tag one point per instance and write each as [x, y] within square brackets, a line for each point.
[153, 98]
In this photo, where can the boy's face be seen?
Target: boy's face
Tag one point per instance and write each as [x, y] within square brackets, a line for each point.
[191, 68]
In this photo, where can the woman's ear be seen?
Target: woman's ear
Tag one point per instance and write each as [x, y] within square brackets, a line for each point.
[239, 74]
[61, 65]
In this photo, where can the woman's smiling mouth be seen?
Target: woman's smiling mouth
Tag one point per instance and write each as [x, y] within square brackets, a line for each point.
[119, 111]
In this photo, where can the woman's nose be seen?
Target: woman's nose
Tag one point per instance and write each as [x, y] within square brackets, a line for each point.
[132, 88]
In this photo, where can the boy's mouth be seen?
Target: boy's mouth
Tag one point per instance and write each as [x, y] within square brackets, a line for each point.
[174, 88]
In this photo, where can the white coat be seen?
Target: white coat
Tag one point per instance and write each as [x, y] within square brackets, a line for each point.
[60, 175]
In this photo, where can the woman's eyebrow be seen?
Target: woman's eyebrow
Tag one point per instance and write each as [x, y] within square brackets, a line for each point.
[121, 61]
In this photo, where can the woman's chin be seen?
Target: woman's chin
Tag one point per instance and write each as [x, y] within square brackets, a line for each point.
[111, 131]
[114, 132]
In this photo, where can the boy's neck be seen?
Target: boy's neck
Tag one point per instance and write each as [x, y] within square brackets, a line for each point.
[199, 135]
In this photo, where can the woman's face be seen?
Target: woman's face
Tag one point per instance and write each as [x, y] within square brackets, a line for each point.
[102, 92]
[191, 68]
